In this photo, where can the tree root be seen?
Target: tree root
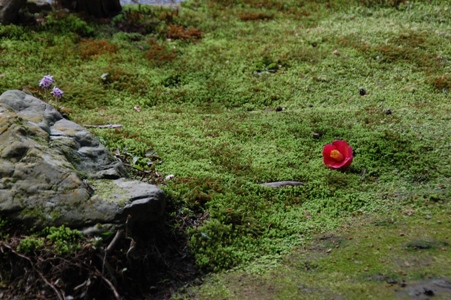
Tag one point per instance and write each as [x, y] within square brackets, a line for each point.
[53, 287]
[63, 272]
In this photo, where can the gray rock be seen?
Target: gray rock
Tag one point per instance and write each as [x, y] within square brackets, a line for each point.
[144, 204]
[54, 172]
[9, 10]
[38, 6]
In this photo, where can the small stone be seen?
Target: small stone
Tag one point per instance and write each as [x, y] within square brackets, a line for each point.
[336, 52]
[169, 177]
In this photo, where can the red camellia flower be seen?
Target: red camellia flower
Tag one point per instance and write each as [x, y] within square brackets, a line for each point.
[337, 155]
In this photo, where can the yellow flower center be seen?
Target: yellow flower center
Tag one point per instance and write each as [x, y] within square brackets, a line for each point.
[335, 154]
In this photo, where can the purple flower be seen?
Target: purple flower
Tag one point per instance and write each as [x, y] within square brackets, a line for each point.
[46, 81]
[57, 93]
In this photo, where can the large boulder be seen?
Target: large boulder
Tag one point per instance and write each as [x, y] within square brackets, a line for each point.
[54, 172]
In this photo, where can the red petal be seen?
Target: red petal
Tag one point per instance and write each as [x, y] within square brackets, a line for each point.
[343, 147]
[329, 161]
[327, 149]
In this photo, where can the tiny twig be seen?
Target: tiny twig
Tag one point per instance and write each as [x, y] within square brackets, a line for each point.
[128, 229]
[282, 183]
[111, 126]
[116, 294]
[161, 256]
[132, 246]
[128, 226]
[112, 244]
[108, 267]
[87, 283]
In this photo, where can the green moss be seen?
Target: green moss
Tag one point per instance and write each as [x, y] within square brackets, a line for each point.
[106, 188]
[255, 100]
[358, 260]
[30, 244]
[64, 239]
[66, 24]
[32, 213]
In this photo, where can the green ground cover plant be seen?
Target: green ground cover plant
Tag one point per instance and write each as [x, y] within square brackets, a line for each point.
[390, 256]
[226, 95]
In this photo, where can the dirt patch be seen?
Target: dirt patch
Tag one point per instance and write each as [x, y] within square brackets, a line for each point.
[326, 243]
[419, 244]
[439, 288]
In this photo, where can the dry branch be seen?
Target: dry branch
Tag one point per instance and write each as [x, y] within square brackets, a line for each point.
[110, 126]
[282, 183]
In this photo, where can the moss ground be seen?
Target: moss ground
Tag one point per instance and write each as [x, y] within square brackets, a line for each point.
[390, 256]
[234, 93]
